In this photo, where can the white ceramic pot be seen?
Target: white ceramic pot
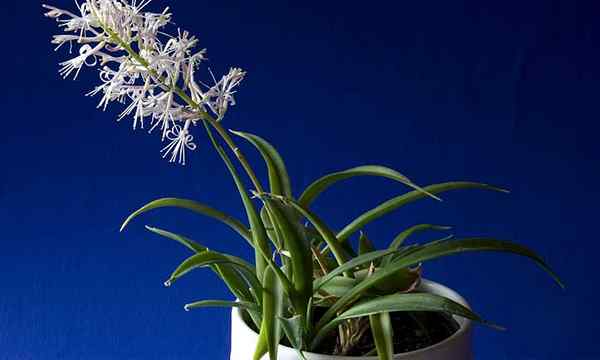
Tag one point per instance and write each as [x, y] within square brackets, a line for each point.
[456, 347]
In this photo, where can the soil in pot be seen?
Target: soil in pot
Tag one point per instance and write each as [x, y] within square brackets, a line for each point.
[412, 331]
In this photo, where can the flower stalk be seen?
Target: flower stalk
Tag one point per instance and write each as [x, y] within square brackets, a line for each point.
[204, 115]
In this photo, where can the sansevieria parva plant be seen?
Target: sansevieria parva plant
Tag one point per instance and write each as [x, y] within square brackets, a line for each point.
[307, 283]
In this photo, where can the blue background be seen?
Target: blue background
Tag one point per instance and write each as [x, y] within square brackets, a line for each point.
[500, 92]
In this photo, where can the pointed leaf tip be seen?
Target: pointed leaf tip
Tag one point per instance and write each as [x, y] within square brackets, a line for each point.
[193, 206]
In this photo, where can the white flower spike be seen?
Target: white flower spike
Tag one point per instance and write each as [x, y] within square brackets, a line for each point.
[143, 67]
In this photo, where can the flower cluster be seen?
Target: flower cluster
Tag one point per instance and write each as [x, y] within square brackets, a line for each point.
[140, 65]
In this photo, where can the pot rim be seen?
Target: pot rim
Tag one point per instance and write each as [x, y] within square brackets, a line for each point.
[426, 285]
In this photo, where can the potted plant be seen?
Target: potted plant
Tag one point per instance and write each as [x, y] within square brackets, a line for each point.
[309, 294]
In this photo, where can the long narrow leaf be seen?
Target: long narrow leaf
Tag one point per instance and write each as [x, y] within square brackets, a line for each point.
[320, 185]
[195, 207]
[237, 283]
[400, 302]
[287, 227]
[272, 310]
[325, 232]
[409, 302]
[188, 243]
[394, 203]
[270, 228]
[258, 232]
[221, 303]
[427, 252]
[350, 265]
[293, 329]
[262, 346]
[337, 286]
[209, 258]
[450, 247]
[278, 176]
[383, 335]
[399, 239]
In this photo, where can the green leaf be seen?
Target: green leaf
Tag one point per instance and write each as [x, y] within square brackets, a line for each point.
[195, 207]
[238, 284]
[320, 185]
[415, 247]
[409, 302]
[270, 228]
[188, 243]
[351, 265]
[270, 330]
[275, 234]
[209, 258]
[450, 247]
[325, 232]
[221, 303]
[293, 329]
[427, 252]
[383, 335]
[289, 229]
[400, 302]
[402, 280]
[278, 176]
[394, 203]
[259, 236]
[337, 286]
[262, 346]
[399, 239]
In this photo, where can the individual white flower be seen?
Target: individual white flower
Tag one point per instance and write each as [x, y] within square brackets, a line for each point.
[116, 85]
[164, 113]
[143, 67]
[181, 140]
[54, 12]
[139, 103]
[224, 90]
[85, 52]
[220, 95]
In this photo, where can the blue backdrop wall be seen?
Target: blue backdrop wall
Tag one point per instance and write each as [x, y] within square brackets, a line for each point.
[500, 92]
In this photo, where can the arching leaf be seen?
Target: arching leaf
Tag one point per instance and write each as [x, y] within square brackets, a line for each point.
[399, 302]
[278, 176]
[210, 258]
[195, 207]
[351, 265]
[237, 283]
[394, 203]
[321, 184]
[221, 303]
[288, 228]
[399, 239]
[428, 252]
